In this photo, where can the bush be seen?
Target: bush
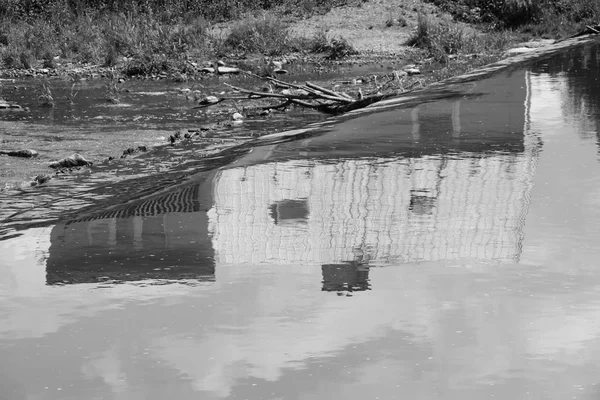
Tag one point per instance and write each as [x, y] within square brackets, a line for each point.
[440, 39]
[516, 13]
[265, 33]
[443, 39]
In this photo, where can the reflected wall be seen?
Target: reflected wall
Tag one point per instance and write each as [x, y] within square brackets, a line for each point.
[163, 236]
[458, 187]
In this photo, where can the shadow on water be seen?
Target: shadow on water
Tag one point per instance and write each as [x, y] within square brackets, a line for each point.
[445, 249]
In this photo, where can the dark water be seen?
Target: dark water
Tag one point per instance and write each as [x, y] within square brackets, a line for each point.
[147, 113]
[444, 250]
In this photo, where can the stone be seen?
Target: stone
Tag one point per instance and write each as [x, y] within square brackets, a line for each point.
[412, 71]
[228, 70]
[5, 105]
[237, 116]
[74, 160]
[209, 100]
[25, 153]
[41, 179]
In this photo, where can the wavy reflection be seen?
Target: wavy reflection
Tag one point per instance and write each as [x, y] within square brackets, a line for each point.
[159, 237]
[451, 315]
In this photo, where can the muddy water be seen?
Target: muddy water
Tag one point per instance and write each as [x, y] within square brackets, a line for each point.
[83, 120]
[447, 249]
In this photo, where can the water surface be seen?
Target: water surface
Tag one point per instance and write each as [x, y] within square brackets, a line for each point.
[444, 250]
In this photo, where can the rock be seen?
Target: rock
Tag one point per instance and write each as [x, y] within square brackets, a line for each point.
[209, 100]
[208, 70]
[278, 67]
[412, 71]
[221, 63]
[41, 179]
[228, 70]
[74, 160]
[237, 116]
[5, 105]
[25, 153]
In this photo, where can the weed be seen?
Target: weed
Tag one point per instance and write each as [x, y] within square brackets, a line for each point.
[113, 89]
[443, 39]
[72, 94]
[319, 42]
[538, 16]
[45, 98]
[26, 59]
[340, 48]
[48, 60]
[145, 64]
[265, 33]
[336, 48]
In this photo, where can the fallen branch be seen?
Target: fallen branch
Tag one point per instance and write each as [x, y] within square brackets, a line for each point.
[311, 95]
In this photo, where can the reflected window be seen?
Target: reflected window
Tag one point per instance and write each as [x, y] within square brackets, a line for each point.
[350, 276]
[420, 204]
[289, 211]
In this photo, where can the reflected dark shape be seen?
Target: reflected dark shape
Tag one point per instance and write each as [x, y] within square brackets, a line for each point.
[580, 69]
[352, 276]
[289, 211]
[447, 179]
[420, 204]
[164, 236]
[482, 118]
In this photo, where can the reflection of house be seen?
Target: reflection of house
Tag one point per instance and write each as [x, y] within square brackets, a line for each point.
[164, 236]
[457, 202]
[428, 208]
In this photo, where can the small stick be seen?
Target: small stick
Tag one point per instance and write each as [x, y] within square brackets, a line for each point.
[329, 92]
[592, 29]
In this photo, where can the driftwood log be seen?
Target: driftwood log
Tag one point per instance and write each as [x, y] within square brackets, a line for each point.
[313, 96]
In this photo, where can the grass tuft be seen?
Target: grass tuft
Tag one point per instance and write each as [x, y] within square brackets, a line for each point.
[442, 39]
[265, 33]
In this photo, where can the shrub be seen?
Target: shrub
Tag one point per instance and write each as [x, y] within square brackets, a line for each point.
[265, 33]
[443, 39]
[548, 15]
[340, 48]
